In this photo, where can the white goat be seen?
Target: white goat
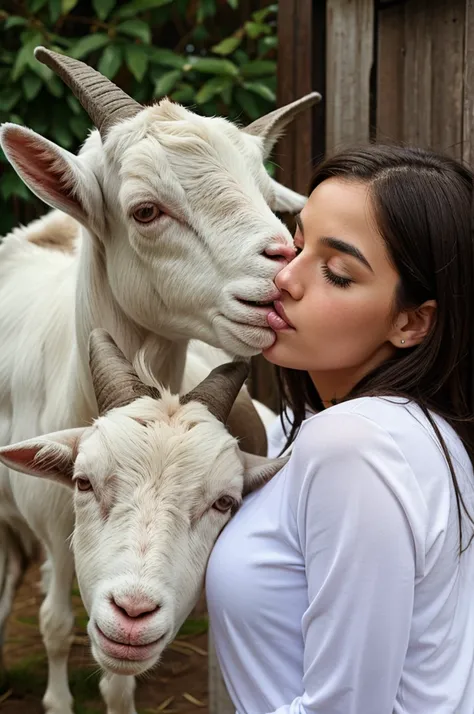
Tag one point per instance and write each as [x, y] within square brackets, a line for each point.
[155, 480]
[177, 241]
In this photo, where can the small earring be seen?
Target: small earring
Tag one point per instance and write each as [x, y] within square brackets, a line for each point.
[402, 341]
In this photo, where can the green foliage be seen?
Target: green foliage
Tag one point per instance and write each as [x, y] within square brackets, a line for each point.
[201, 53]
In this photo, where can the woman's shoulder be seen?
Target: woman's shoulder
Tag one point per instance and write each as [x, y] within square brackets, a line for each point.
[398, 417]
[381, 428]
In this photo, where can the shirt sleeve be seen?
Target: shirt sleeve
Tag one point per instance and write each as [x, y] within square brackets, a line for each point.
[360, 560]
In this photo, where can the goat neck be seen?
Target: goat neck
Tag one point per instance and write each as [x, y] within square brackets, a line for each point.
[151, 354]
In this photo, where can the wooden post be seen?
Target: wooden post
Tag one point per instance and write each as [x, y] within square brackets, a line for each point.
[350, 45]
[468, 108]
[219, 700]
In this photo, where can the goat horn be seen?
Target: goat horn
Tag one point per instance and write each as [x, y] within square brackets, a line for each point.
[115, 381]
[219, 390]
[104, 102]
[282, 116]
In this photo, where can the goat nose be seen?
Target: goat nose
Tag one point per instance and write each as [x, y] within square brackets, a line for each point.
[134, 606]
[280, 250]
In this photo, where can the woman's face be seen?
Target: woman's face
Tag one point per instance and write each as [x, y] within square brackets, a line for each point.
[338, 294]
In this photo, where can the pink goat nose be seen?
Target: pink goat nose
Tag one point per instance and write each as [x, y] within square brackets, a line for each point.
[280, 250]
[134, 606]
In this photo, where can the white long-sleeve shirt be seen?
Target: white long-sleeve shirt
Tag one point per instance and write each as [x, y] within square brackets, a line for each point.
[338, 587]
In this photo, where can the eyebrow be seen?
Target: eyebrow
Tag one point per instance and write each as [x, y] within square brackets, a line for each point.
[338, 244]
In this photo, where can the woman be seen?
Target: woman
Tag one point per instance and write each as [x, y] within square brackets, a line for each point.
[346, 584]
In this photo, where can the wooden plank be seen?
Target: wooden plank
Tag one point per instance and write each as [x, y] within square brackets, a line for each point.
[350, 50]
[468, 104]
[390, 58]
[417, 82]
[219, 700]
[448, 23]
[285, 151]
[319, 79]
[302, 128]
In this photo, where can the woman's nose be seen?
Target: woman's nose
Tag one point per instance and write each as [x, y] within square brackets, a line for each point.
[286, 280]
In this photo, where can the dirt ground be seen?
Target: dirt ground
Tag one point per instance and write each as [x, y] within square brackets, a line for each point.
[178, 685]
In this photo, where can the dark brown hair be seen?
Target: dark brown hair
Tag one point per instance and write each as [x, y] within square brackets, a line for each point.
[422, 203]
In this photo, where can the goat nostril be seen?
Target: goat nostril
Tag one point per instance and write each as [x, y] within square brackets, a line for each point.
[134, 607]
[279, 251]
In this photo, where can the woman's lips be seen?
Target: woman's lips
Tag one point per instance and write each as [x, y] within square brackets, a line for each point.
[277, 318]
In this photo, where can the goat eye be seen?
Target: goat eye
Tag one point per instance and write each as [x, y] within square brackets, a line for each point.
[146, 213]
[224, 504]
[83, 484]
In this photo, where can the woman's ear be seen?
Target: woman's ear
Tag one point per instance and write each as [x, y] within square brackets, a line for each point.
[413, 325]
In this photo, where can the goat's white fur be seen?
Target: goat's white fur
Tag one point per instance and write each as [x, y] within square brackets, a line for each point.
[152, 287]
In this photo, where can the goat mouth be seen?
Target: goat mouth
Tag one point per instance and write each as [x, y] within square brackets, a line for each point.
[127, 652]
[268, 304]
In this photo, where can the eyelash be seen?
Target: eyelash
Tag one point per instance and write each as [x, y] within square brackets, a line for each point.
[334, 279]
[329, 276]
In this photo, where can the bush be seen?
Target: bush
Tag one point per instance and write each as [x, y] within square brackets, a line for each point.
[201, 53]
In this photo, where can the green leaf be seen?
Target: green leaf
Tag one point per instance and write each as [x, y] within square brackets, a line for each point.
[258, 68]
[265, 44]
[193, 626]
[54, 10]
[262, 90]
[241, 57]
[14, 21]
[136, 28]
[31, 84]
[167, 82]
[211, 65]
[233, 3]
[137, 61]
[166, 58]
[61, 42]
[16, 119]
[207, 8]
[110, 61]
[255, 29]
[39, 69]
[103, 8]
[183, 94]
[55, 86]
[25, 55]
[247, 102]
[213, 86]
[74, 105]
[67, 6]
[226, 94]
[8, 99]
[35, 5]
[88, 44]
[271, 168]
[228, 45]
[62, 135]
[132, 9]
[200, 34]
[260, 15]
[80, 126]
[12, 185]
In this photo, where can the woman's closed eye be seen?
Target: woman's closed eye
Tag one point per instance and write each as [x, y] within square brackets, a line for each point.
[334, 279]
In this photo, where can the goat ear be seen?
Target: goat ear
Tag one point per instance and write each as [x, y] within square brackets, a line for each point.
[259, 469]
[55, 175]
[285, 200]
[51, 456]
[271, 126]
